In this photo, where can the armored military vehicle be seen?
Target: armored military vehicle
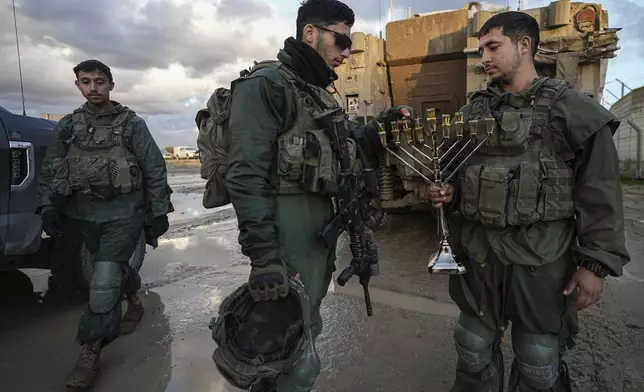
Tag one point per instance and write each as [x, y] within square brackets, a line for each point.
[431, 61]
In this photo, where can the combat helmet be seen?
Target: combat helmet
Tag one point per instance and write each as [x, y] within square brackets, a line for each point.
[260, 340]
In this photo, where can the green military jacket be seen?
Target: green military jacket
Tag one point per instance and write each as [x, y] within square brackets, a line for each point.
[154, 196]
[581, 132]
[263, 108]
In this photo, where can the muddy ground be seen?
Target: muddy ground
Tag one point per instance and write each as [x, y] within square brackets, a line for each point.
[405, 346]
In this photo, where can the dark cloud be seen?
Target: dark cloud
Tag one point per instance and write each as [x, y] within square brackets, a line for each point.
[159, 33]
[146, 46]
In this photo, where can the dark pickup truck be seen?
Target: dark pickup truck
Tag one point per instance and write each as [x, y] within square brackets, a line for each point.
[23, 143]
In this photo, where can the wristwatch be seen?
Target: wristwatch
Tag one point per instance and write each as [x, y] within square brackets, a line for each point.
[596, 267]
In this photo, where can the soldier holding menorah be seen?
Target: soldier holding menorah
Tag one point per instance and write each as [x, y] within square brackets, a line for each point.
[542, 226]
[532, 169]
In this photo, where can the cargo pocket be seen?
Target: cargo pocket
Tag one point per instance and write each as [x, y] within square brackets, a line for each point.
[525, 202]
[320, 168]
[515, 129]
[60, 182]
[493, 195]
[470, 192]
[95, 172]
[290, 158]
[125, 175]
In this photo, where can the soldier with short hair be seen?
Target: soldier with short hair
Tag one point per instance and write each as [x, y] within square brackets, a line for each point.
[542, 219]
[283, 174]
[102, 175]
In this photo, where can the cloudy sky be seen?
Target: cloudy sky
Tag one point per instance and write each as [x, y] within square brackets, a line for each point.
[167, 56]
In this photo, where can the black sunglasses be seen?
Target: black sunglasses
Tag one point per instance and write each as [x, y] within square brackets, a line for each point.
[341, 41]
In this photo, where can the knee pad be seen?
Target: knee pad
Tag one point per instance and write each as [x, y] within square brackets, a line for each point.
[105, 286]
[474, 344]
[537, 359]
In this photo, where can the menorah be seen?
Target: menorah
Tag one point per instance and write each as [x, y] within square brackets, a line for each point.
[443, 260]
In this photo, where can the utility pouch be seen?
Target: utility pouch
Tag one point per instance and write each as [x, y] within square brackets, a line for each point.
[493, 195]
[470, 192]
[525, 204]
[290, 158]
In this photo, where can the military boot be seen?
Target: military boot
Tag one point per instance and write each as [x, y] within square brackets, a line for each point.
[133, 315]
[87, 366]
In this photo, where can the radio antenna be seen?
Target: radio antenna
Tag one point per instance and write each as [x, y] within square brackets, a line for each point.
[22, 90]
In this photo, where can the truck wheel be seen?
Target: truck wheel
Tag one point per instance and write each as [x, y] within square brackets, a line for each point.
[15, 287]
[72, 265]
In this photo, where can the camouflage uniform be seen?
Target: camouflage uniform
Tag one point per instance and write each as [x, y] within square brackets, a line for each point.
[548, 177]
[103, 173]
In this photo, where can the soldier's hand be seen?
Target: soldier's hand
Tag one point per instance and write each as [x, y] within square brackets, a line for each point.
[442, 195]
[394, 113]
[404, 111]
[268, 281]
[160, 226]
[589, 285]
[52, 223]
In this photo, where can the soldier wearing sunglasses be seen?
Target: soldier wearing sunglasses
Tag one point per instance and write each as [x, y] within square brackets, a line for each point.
[280, 180]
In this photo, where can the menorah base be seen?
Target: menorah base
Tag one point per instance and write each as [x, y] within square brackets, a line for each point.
[443, 262]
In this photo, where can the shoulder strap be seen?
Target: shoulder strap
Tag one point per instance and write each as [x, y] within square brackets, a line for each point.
[299, 86]
[285, 71]
[547, 94]
[480, 104]
[78, 115]
[124, 116]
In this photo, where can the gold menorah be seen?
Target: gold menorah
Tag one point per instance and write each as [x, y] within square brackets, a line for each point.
[443, 260]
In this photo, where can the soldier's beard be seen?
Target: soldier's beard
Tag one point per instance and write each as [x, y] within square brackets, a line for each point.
[508, 76]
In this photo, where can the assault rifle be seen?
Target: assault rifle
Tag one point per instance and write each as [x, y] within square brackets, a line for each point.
[351, 208]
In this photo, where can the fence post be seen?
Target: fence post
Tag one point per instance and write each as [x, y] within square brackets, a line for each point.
[638, 164]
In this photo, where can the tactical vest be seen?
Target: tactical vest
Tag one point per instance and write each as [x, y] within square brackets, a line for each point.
[518, 178]
[98, 162]
[306, 161]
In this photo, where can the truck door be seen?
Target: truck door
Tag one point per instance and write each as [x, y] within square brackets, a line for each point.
[5, 185]
[28, 141]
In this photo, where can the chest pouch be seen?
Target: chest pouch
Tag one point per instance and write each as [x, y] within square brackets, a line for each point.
[125, 174]
[493, 195]
[514, 136]
[525, 203]
[290, 157]
[320, 166]
[90, 174]
[100, 165]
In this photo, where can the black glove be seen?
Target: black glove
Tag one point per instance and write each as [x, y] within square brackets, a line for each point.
[268, 280]
[394, 113]
[160, 226]
[52, 223]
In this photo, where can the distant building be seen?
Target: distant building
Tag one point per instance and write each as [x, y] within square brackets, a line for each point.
[628, 141]
[49, 116]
